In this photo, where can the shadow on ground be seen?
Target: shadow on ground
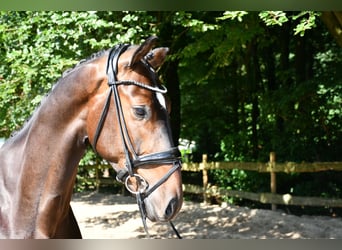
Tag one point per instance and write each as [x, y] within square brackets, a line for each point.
[201, 221]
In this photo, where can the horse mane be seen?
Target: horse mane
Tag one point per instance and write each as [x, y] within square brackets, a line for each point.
[81, 62]
[64, 74]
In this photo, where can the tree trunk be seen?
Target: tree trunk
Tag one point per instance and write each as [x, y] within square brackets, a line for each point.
[300, 59]
[172, 83]
[254, 78]
[333, 21]
[168, 37]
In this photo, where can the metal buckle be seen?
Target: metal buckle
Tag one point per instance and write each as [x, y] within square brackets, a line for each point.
[141, 183]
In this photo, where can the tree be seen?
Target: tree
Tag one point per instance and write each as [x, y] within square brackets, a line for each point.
[333, 21]
[261, 75]
[241, 83]
[36, 47]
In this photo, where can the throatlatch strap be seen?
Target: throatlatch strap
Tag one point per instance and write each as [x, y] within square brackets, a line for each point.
[101, 120]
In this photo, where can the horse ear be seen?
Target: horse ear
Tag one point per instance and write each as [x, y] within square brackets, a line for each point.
[157, 57]
[142, 50]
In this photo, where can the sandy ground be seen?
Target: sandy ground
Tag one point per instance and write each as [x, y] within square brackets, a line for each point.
[104, 216]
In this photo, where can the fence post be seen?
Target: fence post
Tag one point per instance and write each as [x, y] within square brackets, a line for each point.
[205, 178]
[273, 177]
[97, 179]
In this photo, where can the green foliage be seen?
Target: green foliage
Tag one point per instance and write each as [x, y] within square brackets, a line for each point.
[246, 114]
[233, 179]
[250, 82]
[233, 15]
[273, 17]
[307, 19]
[248, 95]
[236, 179]
[36, 47]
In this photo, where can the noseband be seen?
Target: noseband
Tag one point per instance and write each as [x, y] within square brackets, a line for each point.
[133, 160]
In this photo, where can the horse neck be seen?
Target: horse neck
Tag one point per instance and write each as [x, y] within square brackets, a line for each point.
[50, 146]
[54, 135]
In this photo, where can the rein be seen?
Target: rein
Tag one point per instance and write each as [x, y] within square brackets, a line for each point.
[133, 160]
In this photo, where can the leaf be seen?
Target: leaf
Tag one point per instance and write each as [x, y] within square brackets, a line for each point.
[271, 18]
[232, 15]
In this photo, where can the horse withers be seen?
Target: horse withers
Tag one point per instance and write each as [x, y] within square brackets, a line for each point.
[115, 102]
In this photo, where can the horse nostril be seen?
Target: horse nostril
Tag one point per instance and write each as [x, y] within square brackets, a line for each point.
[170, 209]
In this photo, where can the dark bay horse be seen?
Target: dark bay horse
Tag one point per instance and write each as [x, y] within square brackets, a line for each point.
[115, 102]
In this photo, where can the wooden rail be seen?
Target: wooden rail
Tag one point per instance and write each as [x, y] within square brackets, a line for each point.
[288, 167]
[265, 198]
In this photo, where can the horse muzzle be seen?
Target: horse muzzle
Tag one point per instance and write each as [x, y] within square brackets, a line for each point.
[157, 210]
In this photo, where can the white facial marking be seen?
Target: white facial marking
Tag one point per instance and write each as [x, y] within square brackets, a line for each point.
[161, 99]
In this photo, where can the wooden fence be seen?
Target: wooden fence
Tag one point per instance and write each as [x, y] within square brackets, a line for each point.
[271, 167]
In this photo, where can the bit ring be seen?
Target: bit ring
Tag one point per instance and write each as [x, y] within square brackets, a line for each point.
[142, 184]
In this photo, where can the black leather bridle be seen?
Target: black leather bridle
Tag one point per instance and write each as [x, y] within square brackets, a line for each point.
[133, 160]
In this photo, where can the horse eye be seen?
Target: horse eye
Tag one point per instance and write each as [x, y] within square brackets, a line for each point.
[139, 112]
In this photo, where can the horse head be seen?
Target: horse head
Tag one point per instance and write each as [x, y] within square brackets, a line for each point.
[128, 125]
